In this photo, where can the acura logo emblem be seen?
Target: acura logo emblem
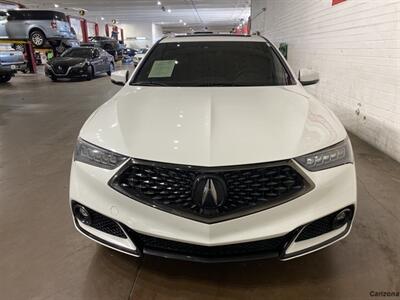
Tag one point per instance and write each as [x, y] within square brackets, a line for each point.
[59, 67]
[209, 191]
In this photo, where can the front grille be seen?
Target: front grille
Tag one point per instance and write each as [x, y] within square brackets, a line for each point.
[248, 188]
[60, 69]
[270, 247]
[105, 224]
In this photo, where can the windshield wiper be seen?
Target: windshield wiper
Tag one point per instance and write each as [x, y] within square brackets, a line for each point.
[227, 84]
[148, 83]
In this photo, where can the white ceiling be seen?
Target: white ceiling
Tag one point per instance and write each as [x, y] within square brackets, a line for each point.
[196, 13]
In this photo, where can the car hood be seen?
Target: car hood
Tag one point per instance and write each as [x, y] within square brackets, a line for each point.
[217, 126]
[67, 61]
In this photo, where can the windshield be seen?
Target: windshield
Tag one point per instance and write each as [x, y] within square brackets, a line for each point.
[78, 52]
[213, 64]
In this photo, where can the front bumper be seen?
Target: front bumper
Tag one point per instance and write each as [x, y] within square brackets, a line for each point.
[12, 68]
[272, 232]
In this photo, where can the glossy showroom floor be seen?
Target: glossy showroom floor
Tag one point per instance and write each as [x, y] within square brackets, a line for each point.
[43, 257]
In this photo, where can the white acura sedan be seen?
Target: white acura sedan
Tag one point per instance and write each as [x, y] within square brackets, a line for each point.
[213, 151]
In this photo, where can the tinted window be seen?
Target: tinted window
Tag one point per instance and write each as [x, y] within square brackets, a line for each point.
[3, 15]
[213, 64]
[15, 15]
[99, 38]
[78, 52]
[36, 15]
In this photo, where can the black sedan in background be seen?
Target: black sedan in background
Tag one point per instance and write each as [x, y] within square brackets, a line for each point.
[112, 46]
[82, 62]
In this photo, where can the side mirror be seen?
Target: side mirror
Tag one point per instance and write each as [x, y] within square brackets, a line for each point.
[120, 77]
[308, 77]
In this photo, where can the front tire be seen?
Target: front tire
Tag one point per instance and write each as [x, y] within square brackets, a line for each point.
[19, 47]
[37, 38]
[5, 78]
[53, 78]
[90, 73]
[112, 68]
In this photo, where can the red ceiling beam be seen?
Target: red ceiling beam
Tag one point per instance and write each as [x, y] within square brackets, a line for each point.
[334, 2]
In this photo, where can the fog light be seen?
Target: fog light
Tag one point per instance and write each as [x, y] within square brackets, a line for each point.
[342, 218]
[82, 214]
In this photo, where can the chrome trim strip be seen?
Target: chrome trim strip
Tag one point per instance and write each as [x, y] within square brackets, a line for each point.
[107, 244]
[297, 246]
[320, 247]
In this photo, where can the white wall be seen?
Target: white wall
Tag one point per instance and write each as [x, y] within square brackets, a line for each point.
[134, 30]
[355, 46]
[157, 32]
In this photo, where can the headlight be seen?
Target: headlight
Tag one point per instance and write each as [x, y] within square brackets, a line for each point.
[96, 156]
[333, 156]
[80, 65]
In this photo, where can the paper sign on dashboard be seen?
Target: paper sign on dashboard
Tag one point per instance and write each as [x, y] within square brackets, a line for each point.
[162, 68]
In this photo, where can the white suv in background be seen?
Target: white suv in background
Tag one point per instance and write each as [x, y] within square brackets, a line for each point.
[213, 151]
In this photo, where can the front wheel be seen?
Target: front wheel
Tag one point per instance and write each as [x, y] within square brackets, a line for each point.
[111, 69]
[37, 38]
[90, 73]
[19, 47]
[53, 78]
[5, 78]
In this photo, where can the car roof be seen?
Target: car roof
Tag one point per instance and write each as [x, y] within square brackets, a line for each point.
[213, 38]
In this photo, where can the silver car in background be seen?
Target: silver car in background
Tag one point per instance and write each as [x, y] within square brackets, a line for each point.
[39, 26]
[11, 61]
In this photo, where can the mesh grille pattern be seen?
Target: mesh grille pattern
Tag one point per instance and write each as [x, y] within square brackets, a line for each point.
[272, 246]
[316, 228]
[60, 69]
[320, 226]
[105, 224]
[248, 190]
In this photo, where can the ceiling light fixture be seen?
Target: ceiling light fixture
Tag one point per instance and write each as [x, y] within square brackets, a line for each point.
[159, 3]
[169, 10]
[102, 18]
[180, 21]
[56, 5]
[184, 24]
